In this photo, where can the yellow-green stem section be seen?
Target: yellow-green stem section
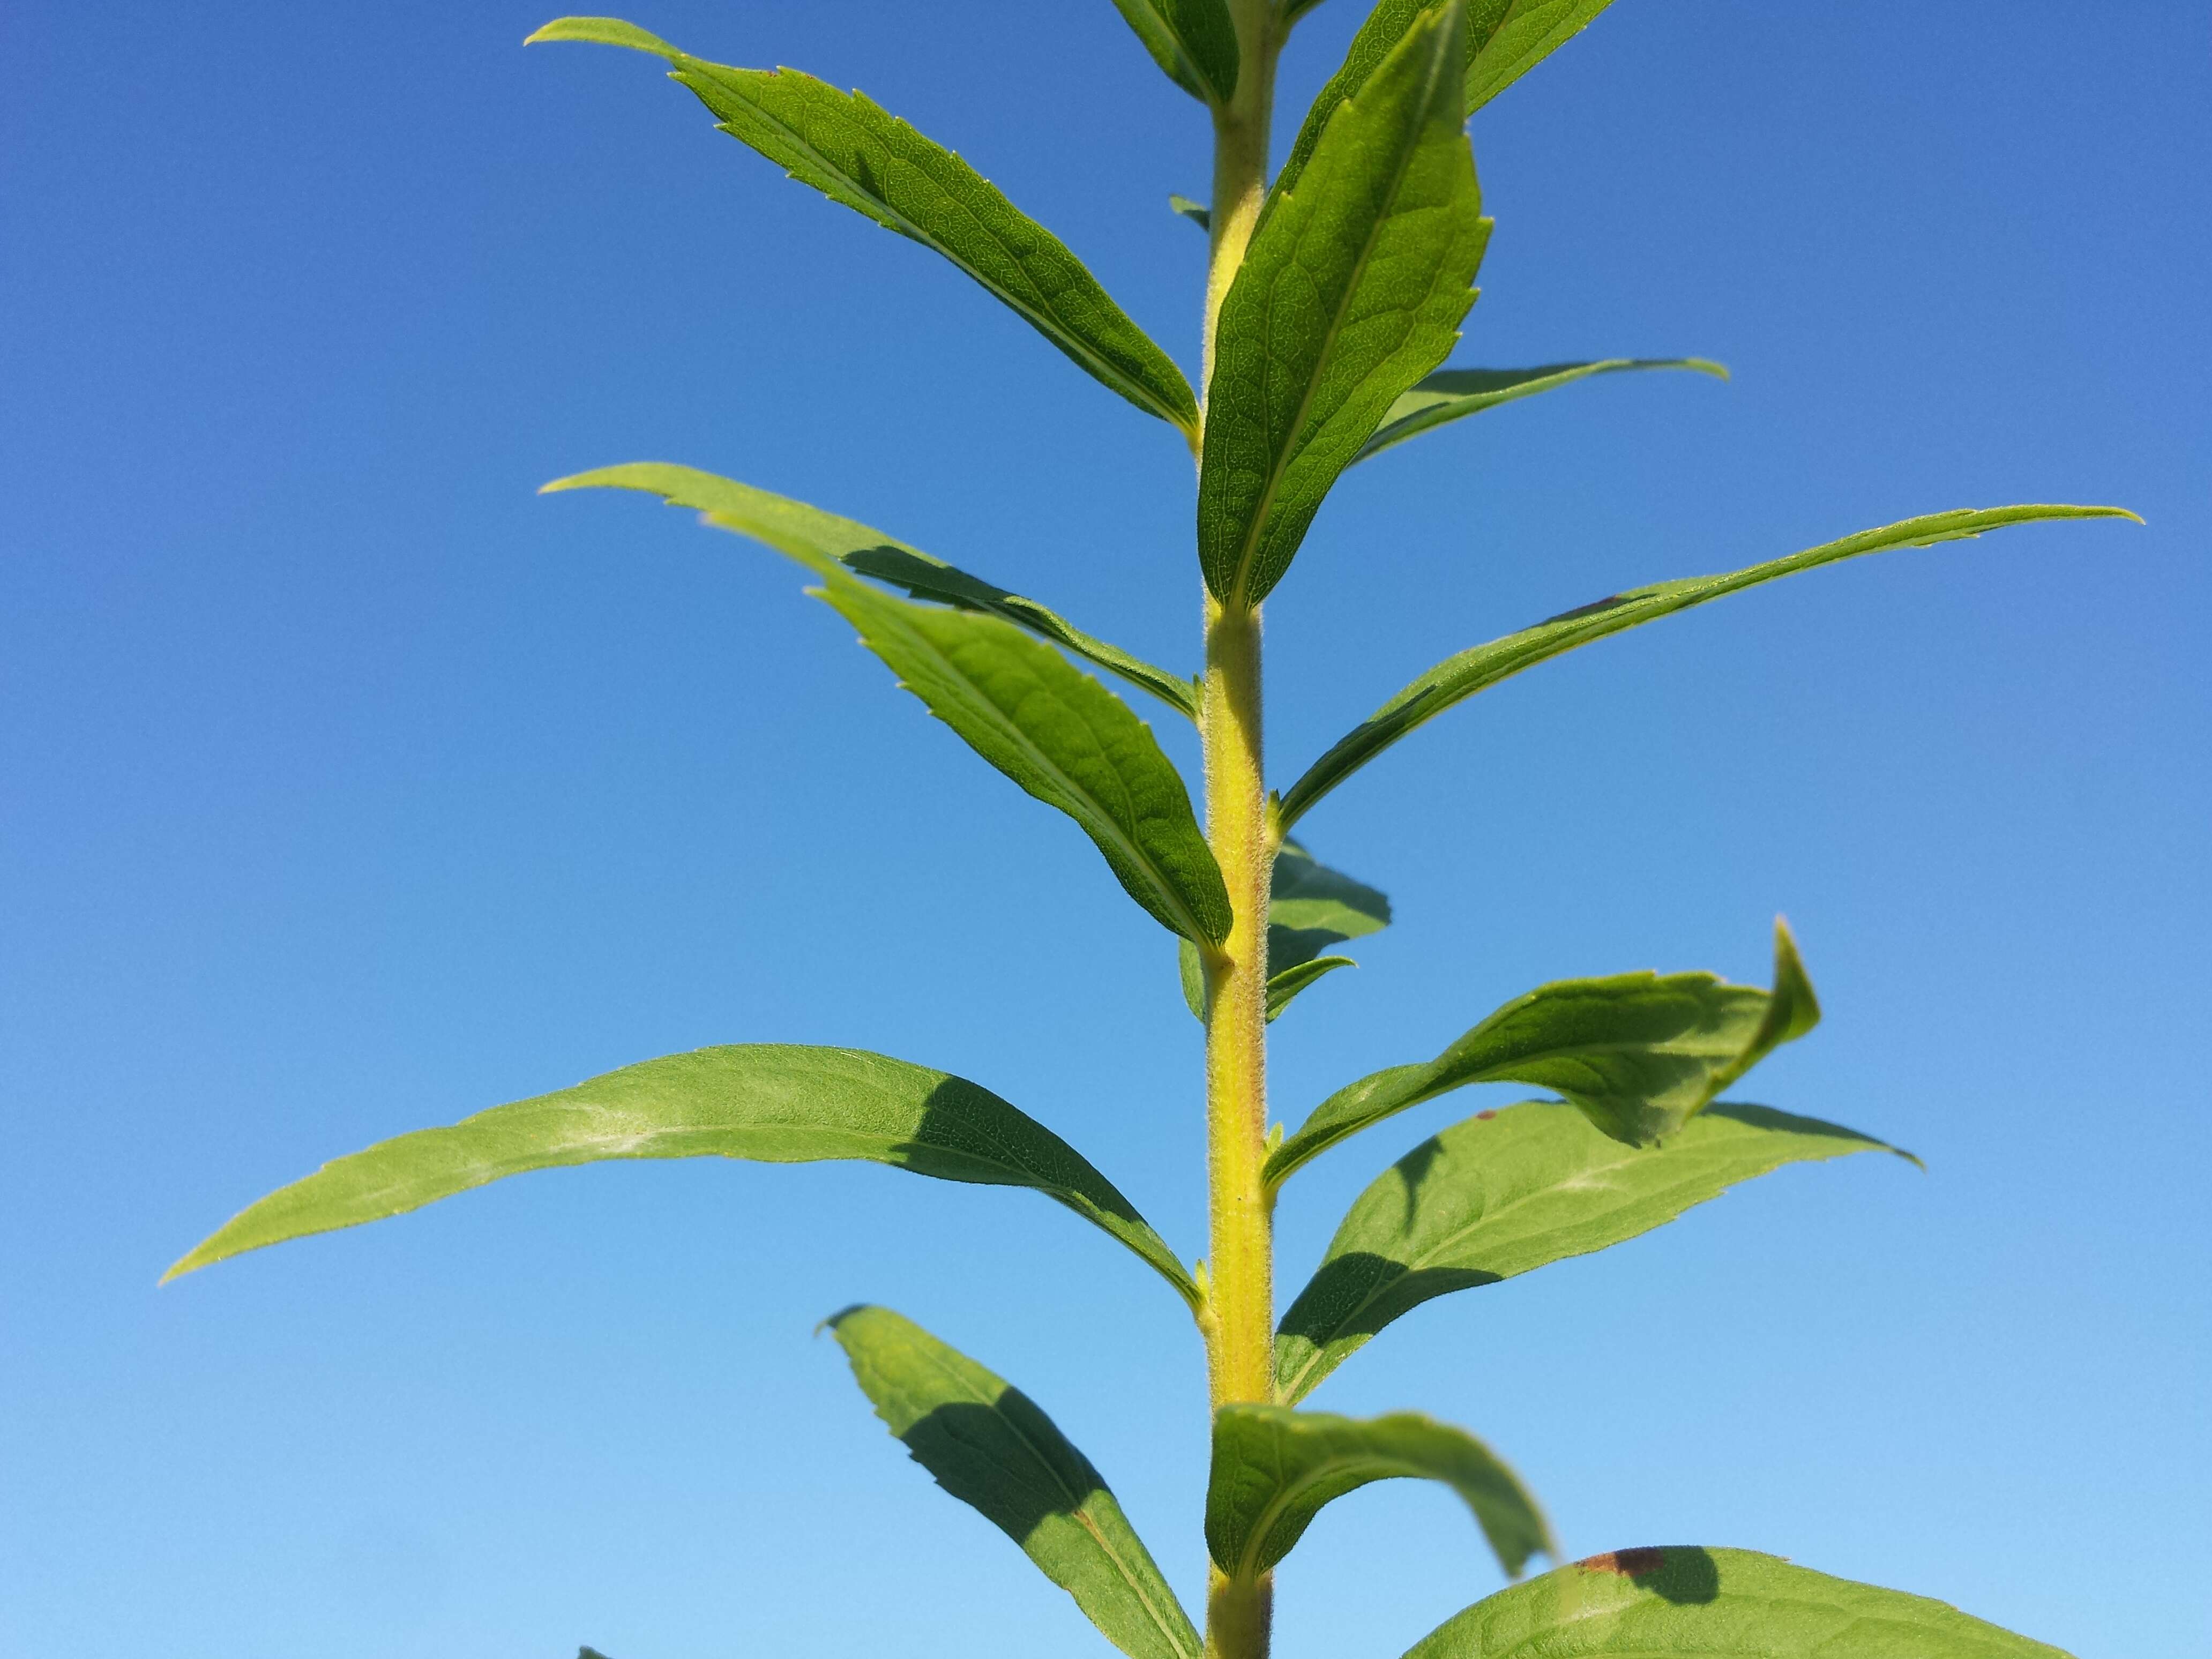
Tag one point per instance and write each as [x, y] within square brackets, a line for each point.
[1240, 1314]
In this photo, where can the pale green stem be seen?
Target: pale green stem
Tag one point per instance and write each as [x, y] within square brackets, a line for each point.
[1240, 1314]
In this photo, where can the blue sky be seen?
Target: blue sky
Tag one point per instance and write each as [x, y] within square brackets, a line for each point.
[352, 789]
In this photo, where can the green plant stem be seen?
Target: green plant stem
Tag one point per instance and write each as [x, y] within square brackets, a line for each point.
[1240, 1314]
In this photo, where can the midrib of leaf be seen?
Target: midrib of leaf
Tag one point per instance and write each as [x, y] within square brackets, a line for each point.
[1075, 1499]
[1282, 466]
[1051, 321]
[1192, 928]
[1385, 1468]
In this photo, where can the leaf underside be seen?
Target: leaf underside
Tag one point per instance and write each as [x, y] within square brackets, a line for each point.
[1351, 290]
[991, 1447]
[1456, 678]
[1681, 1601]
[1512, 1190]
[768, 1102]
[1058, 733]
[1310, 908]
[1504, 39]
[1639, 1054]
[859, 154]
[1453, 394]
[1274, 1468]
[1193, 41]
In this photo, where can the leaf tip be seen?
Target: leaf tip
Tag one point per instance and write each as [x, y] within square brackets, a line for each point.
[603, 31]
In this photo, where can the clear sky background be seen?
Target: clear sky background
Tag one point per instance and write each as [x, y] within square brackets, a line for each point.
[351, 789]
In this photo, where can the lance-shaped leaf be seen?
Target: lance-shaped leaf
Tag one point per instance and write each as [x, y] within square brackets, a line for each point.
[1640, 1053]
[815, 539]
[1311, 907]
[1054, 730]
[768, 1103]
[1685, 1602]
[990, 1446]
[855, 153]
[1505, 39]
[1351, 290]
[1457, 679]
[927, 578]
[1274, 1469]
[1193, 41]
[1062, 737]
[1508, 1191]
[1453, 394]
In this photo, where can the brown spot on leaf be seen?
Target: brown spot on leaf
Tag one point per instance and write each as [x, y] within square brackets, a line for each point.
[1629, 1564]
[1487, 1114]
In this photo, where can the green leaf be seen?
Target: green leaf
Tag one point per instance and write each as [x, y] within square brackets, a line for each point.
[1062, 737]
[927, 578]
[1351, 290]
[856, 153]
[990, 1447]
[1311, 907]
[1285, 985]
[1685, 1602]
[1056, 731]
[1193, 41]
[1505, 39]
[1457, 679]
[820, 540]
[1508, 1191]
[1197, 212]
[1274, 1469]
[769, 1103]
[1640, 1053]
[1452, 394]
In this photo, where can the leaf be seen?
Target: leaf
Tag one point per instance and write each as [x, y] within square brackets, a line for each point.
[1512, 1190]
[1505, 39]
[1311, 907]
[1193, 41]
[1452, 394]
[1639, 1054]
[1284, 985]
[1062, 737]
[1197, 212]
[1274, 1469]
[1686, 1603]
[927, 578]
[769, 1103]
[991, 1447]
[1457, 679]
[1056, 731]
[1351, 290]
[856, 153]
[820, 540]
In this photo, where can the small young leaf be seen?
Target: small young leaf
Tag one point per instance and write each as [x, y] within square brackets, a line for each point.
[990, 1447]
[1197, 212]
[1274, 1469]
[1054, 730]
[1285, 986]
[856, 153]
[769, 1103]
[1505, 39]
[1193, 41]
[1351, 290]
[1452, 394]
[1640, 1053]
[1062, 737]
[1457, 679]
[816, 539]
[1684, 1602]
[1512, 1190]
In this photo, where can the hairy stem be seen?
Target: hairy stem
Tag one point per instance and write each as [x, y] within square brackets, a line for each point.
[1240, 1314]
